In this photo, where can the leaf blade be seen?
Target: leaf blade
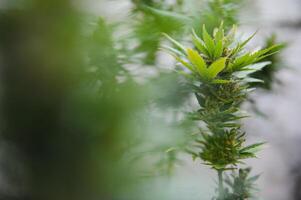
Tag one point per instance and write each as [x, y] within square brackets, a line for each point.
[216, 67]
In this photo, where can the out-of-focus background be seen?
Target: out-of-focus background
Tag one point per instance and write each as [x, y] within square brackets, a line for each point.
[72, 127]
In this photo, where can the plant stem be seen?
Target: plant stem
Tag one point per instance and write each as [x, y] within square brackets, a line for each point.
[220, 183]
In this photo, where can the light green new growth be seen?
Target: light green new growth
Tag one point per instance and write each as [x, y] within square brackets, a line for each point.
[219, 68]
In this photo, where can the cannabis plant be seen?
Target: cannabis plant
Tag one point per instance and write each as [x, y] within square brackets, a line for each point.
[216, 11]
[150, 18]
[218, 70]
[267, 74]
[65, 119]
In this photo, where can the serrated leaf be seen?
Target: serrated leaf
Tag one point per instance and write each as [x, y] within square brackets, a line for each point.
[209, 42]
[216, 67]
[252, 148]
[186, 64]
[199, 43]
[218, 49]
[219, 35]
[198, 62]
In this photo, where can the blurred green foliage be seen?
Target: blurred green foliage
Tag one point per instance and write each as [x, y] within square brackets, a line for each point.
[241, 185]
[153, 19]
[267, 74]
[81, 123]
[157, 17]
[62, 106]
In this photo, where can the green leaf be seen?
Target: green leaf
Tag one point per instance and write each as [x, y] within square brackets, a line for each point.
[243, 61]
[240, 46]
[219, 35]
[221, 81]
[188, 76]
[250, 69]
[252, 80]
[198, 62]
[172, 51]
[253, 179]
[194, 154]
[199, 43]
[218, 49]
[245, 155]
[267, 52]
[170, 149]
[252, 148]
[219, 166]
[167, 15]
[216, 67]
[247, 40]
[257, 66]
[186, 64]
[230, 36]
[209, 42]
[176, 43]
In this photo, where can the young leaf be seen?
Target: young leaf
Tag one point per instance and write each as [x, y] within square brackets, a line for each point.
[230, 36]
[176, 43]
[208, 41]
[252, 148]
[219, 35]
[186, 64]
[216, 67]
[250, 69]
[253, 179]
[218, 49]
[199, 43]
[252, 80]
[168, 15]
[172, 51]
[243, 44]
[197, 61]
[267, 52]
[257, 66]
[188, 76]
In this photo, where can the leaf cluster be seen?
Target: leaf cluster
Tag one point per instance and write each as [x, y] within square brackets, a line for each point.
[219, 68]
[150, 20]
[218, 56]
[267, 74]
[154, 17]
[216, 11]
[240, 186]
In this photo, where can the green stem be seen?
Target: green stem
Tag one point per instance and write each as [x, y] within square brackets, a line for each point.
[220, 184]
